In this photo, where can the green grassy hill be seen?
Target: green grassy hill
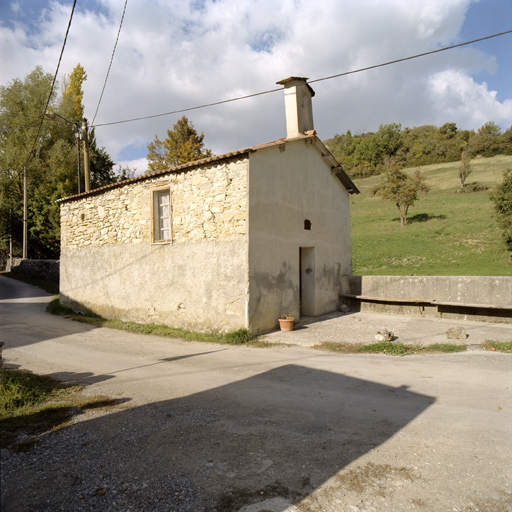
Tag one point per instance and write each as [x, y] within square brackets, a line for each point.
[447, 233]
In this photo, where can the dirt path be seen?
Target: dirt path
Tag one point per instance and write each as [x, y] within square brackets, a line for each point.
[208, 427]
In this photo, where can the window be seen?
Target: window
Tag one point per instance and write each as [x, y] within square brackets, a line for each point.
[162, 215]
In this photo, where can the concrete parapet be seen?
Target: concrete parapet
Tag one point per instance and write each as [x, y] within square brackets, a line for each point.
[475, 297]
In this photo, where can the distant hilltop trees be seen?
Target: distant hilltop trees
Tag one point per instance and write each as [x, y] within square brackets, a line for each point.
[366, 154]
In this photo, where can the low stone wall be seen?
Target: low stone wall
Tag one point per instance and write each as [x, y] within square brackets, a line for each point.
[49, 270]
[473, 297]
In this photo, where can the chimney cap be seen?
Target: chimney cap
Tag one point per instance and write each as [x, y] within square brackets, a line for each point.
[296, 80]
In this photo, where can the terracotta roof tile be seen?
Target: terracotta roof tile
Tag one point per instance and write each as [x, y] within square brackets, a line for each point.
[347, 182]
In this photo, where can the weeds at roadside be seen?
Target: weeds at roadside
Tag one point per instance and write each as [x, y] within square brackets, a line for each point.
[389, 348]
[498, 346]
[444, 347]
[332, 346]
[32, 405]
[239, 337]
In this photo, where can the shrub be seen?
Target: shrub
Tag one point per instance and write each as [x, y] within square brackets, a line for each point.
[502, 199]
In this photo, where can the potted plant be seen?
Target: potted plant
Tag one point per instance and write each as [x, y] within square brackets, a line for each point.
[286, 322]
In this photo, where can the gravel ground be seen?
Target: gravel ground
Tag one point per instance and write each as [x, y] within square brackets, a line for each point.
[75, 470]
[362, 328]
[209, 428]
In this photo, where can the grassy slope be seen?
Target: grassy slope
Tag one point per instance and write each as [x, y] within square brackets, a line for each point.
[447, 234]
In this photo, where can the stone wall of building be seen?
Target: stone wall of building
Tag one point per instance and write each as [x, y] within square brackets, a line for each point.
[207, 203]
[109, 266]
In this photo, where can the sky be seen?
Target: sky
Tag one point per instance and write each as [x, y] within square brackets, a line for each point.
[177, 54]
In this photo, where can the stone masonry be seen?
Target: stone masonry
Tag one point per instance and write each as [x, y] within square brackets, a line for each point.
[207, 203]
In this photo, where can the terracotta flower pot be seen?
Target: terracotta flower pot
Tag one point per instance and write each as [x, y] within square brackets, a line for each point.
[286, 324]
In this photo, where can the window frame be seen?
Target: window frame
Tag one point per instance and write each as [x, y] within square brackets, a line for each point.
[156, 227]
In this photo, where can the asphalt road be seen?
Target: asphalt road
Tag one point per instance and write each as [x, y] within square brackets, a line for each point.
[214, 427]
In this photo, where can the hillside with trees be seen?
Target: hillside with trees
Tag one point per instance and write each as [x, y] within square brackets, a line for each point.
[447, 232]
[367, 154]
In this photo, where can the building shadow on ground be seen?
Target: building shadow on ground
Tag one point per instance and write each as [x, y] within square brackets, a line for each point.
[281, 433]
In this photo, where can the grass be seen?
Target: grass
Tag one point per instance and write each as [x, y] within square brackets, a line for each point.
[389, 348]
[33, 405]
[239, 337]
[498, 346]
[49, 286]
[448, 233]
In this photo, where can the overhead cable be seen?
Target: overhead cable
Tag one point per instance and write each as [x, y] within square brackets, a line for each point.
[110, 65]
[311, 81]
[409, 58]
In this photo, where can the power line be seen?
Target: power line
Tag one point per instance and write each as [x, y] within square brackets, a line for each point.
[53, 84]
[409, 58]
[110, 65]
[311, 81]
[188, 109]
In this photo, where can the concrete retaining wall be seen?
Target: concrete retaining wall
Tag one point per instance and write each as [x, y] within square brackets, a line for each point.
[441, 296]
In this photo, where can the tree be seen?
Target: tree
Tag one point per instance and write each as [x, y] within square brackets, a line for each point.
[464, 167]
[401, 189]
[182, 145]
[502, 199]
[376, 150]
[487, 140]
[73, 95]
[25, 142]
[71, 107]
[47, 149]
[449, 130]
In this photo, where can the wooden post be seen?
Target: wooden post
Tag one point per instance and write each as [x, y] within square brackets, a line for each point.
[85, 140]
[25, 209]
[77, 136]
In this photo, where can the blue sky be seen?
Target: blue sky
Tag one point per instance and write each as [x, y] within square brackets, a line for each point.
[175, 54]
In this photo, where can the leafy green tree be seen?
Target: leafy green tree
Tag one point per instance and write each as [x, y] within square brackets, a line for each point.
[182, 145]
[506, 142]
[401, 189]
[22, 105]
[487, 141]
[464, 167]
[47, 148]
[502, 199]
[448, 130]
[376, 150]
[71, 106]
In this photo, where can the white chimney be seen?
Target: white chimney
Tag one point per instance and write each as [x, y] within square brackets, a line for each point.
[297, 100]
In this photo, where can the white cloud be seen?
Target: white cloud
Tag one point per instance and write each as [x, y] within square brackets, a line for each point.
[174, 54]
[139, 165]
[460, 97]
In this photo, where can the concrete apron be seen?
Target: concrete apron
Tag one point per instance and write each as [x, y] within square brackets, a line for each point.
[363, 327]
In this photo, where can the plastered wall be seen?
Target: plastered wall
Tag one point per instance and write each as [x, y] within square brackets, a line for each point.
[289, 185]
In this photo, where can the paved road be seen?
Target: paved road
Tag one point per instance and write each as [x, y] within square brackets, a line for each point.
[210, 427]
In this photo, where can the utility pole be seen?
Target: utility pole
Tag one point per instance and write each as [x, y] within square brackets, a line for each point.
[87, 171]
[25, 230]
[77, 137]
[76, 125]
[10, 239]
